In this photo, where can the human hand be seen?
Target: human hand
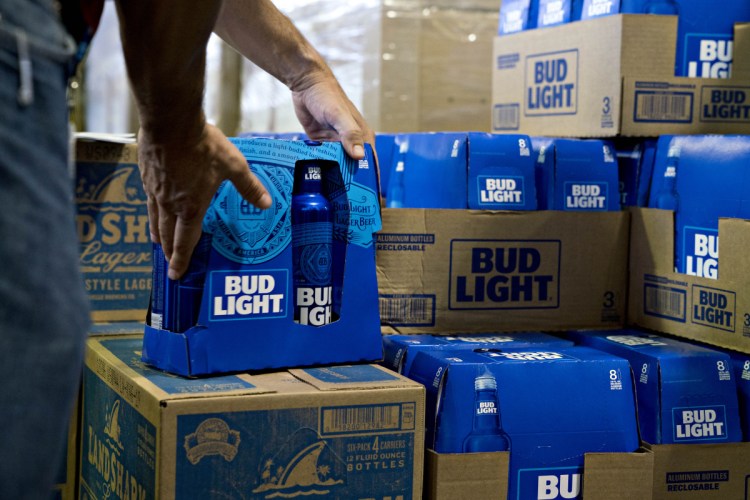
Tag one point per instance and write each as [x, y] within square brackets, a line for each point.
[180, 178]
[327, 114]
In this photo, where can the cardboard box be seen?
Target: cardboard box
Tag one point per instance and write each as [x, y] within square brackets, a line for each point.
[482, 402]
[246, 300]
[710, 471]
[460, 271]
[468, 476]
[66, 481]
[612, 76]
[112, 222]
[345, 432]
[712, 311]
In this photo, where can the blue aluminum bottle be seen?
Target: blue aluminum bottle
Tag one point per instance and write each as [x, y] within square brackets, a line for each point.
[312, 246]
[175, 304]
[487, 430]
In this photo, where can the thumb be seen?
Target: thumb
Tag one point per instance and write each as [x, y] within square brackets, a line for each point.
[250, 187]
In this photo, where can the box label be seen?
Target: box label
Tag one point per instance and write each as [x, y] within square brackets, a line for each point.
[239, 295]
[507, 190]
[506, 116]
[700, 251]
[659, 102]
[685, 481]
[118, 454]
[664, 298]
[403, 242]
[714, 308]
[407, 310]
[692, 424]
[552, 84]
[708, 56]
[725, 104]
[335, 451]
[550, 483]
[115, 246]
[586, 196]
[504, 274]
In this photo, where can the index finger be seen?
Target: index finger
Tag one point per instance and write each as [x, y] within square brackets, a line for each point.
[186, 236]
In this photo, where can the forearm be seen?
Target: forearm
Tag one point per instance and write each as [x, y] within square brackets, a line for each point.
[261, 33]
[164, 44]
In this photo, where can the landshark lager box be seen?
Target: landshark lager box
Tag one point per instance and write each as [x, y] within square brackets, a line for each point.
[686, 393]
[489, 402]
[241, 286]
[112, 224]
[400, 350]
[352, 431]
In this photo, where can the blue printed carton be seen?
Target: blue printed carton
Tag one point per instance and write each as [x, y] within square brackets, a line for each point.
[701, 178]
[516, 15]
[112, 224]
[349, 431]
[244, 299]
[400, 350]
[686, 393]
[489, 402]
[705, 33]
[586, 176]
[462, 170]
[741, 363]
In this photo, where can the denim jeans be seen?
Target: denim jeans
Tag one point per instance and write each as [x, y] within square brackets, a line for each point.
[43, 307]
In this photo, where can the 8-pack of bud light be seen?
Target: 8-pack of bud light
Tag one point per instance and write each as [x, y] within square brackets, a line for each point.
[293, 285]
[547, 405]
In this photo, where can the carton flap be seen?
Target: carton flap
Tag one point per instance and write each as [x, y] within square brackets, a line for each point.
[734, 240]
[458, 476]
[346, 377]
[741, 51]
[602, 470]
[649, 44]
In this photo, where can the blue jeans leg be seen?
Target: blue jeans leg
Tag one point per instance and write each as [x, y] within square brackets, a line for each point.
[43, 307]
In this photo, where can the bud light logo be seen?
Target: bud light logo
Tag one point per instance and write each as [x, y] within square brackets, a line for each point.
[725, 104]
[504, 274]
[701, 252]
[586, 196]
[699, 424]
[501, 191]
[248, 295]
[714, 308]
[550, 484]
[551, 84]
[708, 56]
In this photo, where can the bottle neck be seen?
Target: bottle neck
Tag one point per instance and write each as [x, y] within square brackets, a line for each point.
[308, 179]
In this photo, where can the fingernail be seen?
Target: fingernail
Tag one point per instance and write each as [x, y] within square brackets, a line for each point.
[359, 151]
[172, 274]
[154, 238]
[265, 201]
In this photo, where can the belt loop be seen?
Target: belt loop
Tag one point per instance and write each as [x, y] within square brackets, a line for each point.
[26, 78]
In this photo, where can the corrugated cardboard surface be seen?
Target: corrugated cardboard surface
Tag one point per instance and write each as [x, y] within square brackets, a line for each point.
[612, 476]
[619, 81]
[171, 437]
[470, 476]
[466, 476]
[668, 302]
[720, 471]
[583, 260]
